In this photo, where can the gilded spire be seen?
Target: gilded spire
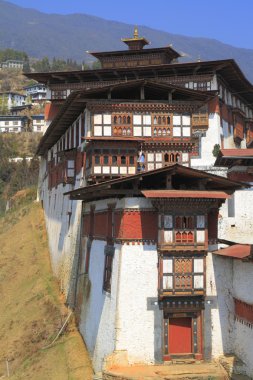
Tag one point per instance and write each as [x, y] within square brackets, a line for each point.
[136, 34]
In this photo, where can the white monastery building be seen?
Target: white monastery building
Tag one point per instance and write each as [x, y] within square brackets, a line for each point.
[13, 124]
[146, 182]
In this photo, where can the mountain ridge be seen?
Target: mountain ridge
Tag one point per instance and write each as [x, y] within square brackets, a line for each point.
[40, 34]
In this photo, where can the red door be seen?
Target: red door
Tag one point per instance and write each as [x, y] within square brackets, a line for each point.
[180, 336]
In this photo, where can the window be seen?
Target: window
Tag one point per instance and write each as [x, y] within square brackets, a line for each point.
[131, 160]
[109, 253]
[181, 125]
[182, 273]
[59, 94]
[184, 229]
[102, 125]
[142, 125]
[231, 207]
[106, 160]
[71, 168]
[123, 160]
[6, 123]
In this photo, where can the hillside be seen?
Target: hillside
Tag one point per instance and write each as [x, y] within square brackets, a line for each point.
[69, 36]
[31, 309]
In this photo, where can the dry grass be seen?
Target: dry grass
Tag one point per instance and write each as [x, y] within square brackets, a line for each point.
[31, 309]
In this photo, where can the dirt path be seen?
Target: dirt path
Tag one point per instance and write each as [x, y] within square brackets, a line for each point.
[31, 309]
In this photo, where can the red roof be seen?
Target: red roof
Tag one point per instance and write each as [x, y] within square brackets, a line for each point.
[237, 152]
[236, 251]
[185, 194]
[230, 157]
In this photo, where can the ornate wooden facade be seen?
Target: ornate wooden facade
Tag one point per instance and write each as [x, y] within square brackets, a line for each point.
[131, 129]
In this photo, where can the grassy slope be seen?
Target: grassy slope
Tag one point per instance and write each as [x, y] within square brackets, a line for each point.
[31, 309]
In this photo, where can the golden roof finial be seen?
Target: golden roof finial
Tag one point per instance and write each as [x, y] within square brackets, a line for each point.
[136, 34]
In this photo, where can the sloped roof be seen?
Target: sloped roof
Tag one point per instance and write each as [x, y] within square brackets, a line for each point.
[182, 177]
[167, 50]
[228, 157]
[76, 101]
[227, 69]
[236, 251]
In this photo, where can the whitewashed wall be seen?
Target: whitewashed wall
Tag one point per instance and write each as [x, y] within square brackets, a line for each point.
[238, 228]
[140, 321]
[243, 334]
[219, 311]
[97, 322]
[63, 217]
[207, 143]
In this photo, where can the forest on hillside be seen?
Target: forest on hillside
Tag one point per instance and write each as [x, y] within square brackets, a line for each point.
[15, 176]
[45, 64]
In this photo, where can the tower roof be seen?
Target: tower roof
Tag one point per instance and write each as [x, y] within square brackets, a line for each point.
[136, 42]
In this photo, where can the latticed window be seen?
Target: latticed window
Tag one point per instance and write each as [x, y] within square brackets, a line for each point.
[184, 229]
[182, 273]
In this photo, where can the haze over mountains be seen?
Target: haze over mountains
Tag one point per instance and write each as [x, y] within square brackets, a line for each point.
[70, 36]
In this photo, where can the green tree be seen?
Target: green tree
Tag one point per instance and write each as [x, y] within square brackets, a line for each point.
[42, 65]
[3, 105]
[96, 65]
[216, 150]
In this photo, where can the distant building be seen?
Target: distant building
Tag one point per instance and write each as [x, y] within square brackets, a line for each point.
[37, 92]
[13, 98]
[16, 110]
[38, 123]
[12, 64]
[20, 159]
[12, 124]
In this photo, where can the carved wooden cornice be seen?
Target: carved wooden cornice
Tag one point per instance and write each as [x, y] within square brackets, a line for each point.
[195, 205]
[143, 107]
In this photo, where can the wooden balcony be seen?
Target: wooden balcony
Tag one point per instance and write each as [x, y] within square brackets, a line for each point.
[238, 133]
[249, 134]
[200, 120]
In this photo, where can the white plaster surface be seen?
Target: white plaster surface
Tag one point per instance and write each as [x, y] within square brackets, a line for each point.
[207, 143]
[219, 311]
[238, 228]
[140, 322]
[97, 324]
